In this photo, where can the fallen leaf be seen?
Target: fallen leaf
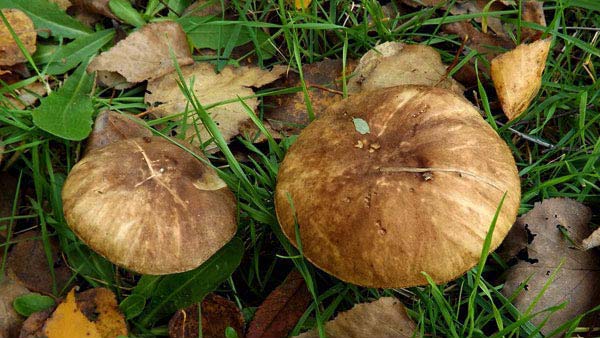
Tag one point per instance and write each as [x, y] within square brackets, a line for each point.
[26, 96]
[67, 321]
[143, 55]
[592, 240]
[533, 11]
[281, 310]
[517, 76]
[218, 313]
[33, 326]
[10, 53]
[206, 8]
[302, 4]
[111, 127]
[393, 63]
[537, 242]
[96, 7]
[99, 305]
[210, 88]
[250, 131]
[7, 198]
[67, 112]
[288, 113]
[10, 320]
[28, 264]
[384, 318]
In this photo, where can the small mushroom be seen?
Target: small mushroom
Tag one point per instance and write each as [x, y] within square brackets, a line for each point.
[148, 205]
[422, 202]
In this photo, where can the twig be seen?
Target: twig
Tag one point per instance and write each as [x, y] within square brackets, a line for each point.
[326, 89]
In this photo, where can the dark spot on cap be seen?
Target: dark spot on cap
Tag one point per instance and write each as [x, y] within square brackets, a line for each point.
[147, 139]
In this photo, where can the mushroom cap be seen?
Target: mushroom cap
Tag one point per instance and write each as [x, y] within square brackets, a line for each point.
[417, 193]
[149, 206]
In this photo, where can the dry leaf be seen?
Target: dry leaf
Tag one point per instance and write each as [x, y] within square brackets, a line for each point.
[282, 309]
[26, 96]
[539, 245]
[100, 306]
[143, 55]
[218, 313]
[210, 88]
[10, 321]
[383, 318]
[206, 8]
[10, 53]
[302, 4]
[67, 321]
[33, 326]
[592, 240]
[533, 11]
[28, 263]
[393, 63]
[95, 7]
[250, 131]
[517, 76]
[111, 127]
[288, 113]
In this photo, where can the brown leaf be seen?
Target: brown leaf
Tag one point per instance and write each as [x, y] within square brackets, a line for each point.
[517, 76]
[28, 264]
[384, 318]
[218, 313]
[67, 321]
[393, 63]
[211, 88]
[143, 55]
[10, 321]
[533, 11]
[33, 326]
[26, 96]
[99, 305]
[10, 54]
[288, 113]
[111, 127]
[96, 7]
[538, 243]
[281, 310]
[206, 8]
[7, 199]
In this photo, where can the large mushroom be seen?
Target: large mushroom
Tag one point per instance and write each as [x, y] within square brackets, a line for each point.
[148, 205]
[417, 193]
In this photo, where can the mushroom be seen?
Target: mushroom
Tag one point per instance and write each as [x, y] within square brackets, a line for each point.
[416, 194]
[149, 206]
[110, 127]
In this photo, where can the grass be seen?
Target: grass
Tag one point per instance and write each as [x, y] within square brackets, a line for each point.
[556, 145]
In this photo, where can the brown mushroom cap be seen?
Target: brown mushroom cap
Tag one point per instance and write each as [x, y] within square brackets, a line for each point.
[417, 193]
[149, 206]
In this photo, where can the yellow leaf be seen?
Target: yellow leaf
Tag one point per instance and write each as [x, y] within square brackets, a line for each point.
[67, 321]
[302, 4]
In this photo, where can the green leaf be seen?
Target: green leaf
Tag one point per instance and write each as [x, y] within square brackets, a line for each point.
[361, 125]
[133, 305]
[203, 32]
[178, 6]
[125, 11]
[68, 56]
[89, 264]
[47, 17]
[67, 112]
[180, 290]
[27, 304]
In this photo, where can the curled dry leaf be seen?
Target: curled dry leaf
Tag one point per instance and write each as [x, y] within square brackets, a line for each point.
[143, 55]
[26, 96]
[517, 76]
[10, 321]
[93, 313]
[385, 318]
[33, 326]
[210, 88]
[282, 309]
[539, 246]
[533, 11]
[10, 54]
[218, 313]
[28, 263]
[393, 63]
[288, 113]
[110, 127]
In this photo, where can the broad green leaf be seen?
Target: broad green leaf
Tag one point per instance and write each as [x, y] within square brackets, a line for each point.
[203, 32]
[125, 11]
[68, 56]
[25, 305]
[133, 305]
[89, 264]
[178, 6]
[180, 290]
[67, 112]
[48, 18]
[361, 126]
